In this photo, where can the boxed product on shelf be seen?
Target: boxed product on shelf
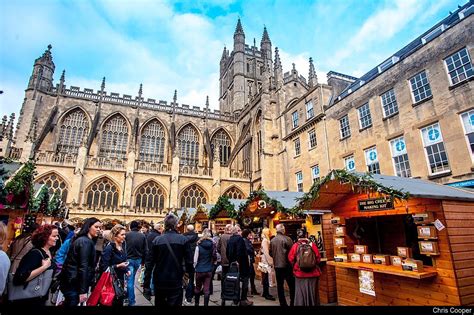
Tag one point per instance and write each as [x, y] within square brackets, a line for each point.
[367, 258]
[339, 241]
[412, 265]
[353, 257]
[338, 220]
[381, 259]
[361, 249]
[428, 231]
[428, 247]
[423, 218]
[340, 231]
[404, 252]
[340, 257]
[396, 260]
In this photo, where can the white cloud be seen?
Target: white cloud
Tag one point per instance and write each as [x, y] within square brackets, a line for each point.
[379, 27]
[301, 62]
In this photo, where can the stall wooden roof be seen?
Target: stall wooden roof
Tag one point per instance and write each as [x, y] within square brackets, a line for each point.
[333, 191]
[288, 199]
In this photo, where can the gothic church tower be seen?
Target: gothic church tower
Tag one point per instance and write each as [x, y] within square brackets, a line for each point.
[242, 70]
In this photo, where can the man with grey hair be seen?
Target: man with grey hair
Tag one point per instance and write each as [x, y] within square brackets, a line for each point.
[170, 252]
[192, 237]
[280, 246]
[147, 280]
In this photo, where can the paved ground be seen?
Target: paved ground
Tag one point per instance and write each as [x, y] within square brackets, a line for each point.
[215, 299]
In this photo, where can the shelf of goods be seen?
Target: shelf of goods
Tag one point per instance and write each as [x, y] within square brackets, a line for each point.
[428, 272]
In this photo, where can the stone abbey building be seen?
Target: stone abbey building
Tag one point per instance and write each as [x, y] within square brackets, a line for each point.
[126, 157]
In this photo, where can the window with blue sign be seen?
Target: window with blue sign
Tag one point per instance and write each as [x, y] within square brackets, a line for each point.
[315, 172]
[349, 163]
[435, 150]
[299, 181]
[468, 123]
[400, 157]
[372, 160]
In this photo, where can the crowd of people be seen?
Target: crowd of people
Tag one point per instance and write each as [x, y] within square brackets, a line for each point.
[62, 264]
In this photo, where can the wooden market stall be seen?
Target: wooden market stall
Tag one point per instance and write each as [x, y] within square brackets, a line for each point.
[200, 217]
[222, 213]
[395, 241]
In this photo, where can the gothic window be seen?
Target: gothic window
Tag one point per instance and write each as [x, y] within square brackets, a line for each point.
[193, 196]
[221, 142]
[102, 194]
[152, 143]
[150, 196]
[234, 193]
[188, 144]
[114, 138]
[55, 185]
[246, 160]
[73, 129]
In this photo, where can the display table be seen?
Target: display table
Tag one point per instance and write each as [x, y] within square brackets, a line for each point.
[427, 272]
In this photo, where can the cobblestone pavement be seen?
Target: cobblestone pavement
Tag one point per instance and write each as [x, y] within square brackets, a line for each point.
[215, 299]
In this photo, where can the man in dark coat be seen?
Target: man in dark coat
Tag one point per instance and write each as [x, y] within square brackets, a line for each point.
[136, 254]
[237, 251]
[192, 237]
[168, 264]
[147, 289]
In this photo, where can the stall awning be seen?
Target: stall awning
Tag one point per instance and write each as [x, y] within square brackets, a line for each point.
[288, 199]
[315, 212]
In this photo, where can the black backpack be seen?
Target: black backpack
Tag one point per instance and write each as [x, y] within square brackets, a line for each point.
[231, 284]
[306, 257]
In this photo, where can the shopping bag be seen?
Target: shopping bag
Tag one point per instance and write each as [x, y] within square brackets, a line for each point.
[96, 293]
[108, 293]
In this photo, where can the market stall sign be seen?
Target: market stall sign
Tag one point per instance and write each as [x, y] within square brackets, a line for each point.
[375, 204]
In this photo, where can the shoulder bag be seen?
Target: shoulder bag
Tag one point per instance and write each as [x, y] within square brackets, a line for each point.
[35, 288]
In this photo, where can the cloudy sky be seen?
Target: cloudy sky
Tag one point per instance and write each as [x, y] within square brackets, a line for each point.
[168, 45]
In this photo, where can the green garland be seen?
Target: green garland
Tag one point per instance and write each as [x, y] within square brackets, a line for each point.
[360, 183]
[223, 203]
[261, 195]
[40, 203]
[23, 182]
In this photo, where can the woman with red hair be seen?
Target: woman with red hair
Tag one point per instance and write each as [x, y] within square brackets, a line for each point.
[36, 261]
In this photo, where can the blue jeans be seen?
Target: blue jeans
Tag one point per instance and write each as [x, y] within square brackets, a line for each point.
[133, 266]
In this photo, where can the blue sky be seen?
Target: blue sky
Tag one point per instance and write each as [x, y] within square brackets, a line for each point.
[169, 45]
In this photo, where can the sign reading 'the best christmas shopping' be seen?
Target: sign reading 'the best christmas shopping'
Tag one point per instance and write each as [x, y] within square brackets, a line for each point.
[375, 204]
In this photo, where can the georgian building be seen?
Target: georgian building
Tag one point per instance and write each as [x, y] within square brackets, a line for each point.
[124, 157]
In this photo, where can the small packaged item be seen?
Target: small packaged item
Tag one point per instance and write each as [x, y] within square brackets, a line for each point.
[396, 260]
[381, 259]
[338, 220]
[339, 241]
[425, 231]
[361, 249]
[412, 265]
[404, 252]
[423, 218]
[353, 257]
[428, 248]
[340, 231]
[340, 258]
[367, 258]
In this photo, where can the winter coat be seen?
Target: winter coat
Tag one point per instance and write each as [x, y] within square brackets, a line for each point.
[136, 245]
[222, 248]
[292, 257]
[166, 274]
[280, 246]
[236, 251]
[205, 256]
[79, 268]
[250, 250]
[111, 257]
[192, 239]
[20, 246]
